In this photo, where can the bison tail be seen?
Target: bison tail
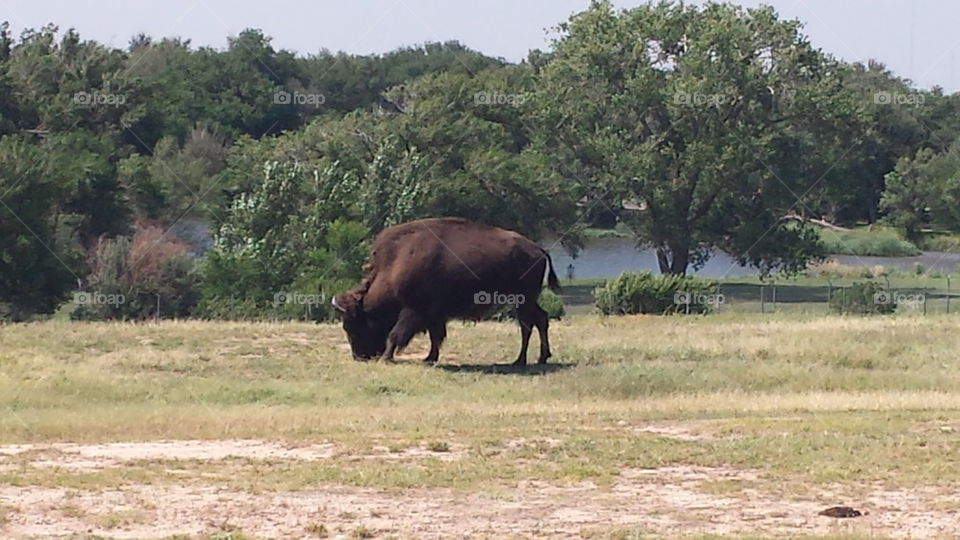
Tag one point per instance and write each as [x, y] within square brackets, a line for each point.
[552, 280]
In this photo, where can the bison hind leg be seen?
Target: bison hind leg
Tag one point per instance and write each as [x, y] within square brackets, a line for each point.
[530, 316]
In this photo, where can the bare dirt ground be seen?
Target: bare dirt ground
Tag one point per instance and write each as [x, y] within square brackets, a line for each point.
[666, 501]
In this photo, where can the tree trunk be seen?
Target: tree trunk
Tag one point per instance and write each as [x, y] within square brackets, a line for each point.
[681, 259]
[673, 259]
[663, 260]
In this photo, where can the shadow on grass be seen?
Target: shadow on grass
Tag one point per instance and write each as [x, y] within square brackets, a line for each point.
[505, 369]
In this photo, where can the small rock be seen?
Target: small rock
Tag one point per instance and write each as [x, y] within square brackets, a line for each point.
[841, 512]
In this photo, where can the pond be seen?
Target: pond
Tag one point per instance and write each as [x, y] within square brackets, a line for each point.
[609, 257]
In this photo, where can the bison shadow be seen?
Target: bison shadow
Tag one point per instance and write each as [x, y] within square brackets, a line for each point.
[505, 369]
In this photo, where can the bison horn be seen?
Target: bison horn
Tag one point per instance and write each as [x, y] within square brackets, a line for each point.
[333, 302]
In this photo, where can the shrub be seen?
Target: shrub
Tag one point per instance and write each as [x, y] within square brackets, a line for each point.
[130, 277]
[863, 298]
[239, 282]
[549, 301]
[878, 242]
[282, 250]
[949, 243]
[645, 293]
[552, 304]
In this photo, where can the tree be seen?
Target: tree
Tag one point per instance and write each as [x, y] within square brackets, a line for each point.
[438, 151]
[36, 266]
[893, 126]
[475, 141]
[714, 121]
[909, 194]
[924, 191]
[174, 182]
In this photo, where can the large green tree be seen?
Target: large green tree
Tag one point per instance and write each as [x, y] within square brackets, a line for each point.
[924, 191]
[36, 270]
[714, 121]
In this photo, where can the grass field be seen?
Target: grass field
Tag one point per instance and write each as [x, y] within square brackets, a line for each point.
[731, 424]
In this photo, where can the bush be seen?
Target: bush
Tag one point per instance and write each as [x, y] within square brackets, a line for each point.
[645, 293]
[863, 298]
[949, 243]
[549, 301]
[552, 304]
[130, 277]
[239, 282]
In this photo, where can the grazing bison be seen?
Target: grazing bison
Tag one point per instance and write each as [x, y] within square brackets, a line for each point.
[423, 273]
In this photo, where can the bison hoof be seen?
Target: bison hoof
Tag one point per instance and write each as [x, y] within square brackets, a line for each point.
[520, 362]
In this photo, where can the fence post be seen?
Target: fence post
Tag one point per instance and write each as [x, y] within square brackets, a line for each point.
[774, 299]
[157, 315]
[762, 286]
[948, 294]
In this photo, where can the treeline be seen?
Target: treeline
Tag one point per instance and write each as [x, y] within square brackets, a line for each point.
[168, 180]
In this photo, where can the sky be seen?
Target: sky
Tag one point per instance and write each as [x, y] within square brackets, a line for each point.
[917, 39]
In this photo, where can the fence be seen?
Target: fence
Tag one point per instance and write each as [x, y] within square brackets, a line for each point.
[927, 297]
[922, 295]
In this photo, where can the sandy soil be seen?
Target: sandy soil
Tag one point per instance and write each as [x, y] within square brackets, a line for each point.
[663, 501]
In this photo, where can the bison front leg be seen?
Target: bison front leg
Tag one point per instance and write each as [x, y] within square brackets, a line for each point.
[438, 332]
[408, 324]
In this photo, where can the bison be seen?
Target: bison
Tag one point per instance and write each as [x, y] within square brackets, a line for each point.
[423, 273]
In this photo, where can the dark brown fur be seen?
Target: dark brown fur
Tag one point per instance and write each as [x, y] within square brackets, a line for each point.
[423, 273]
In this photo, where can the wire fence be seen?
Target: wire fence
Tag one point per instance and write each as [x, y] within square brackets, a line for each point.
[917, 295]
[905, 298]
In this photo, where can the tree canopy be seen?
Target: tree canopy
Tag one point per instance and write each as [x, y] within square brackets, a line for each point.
[699, 128]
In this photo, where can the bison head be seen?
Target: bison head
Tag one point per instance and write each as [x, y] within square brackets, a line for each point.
[367, 335]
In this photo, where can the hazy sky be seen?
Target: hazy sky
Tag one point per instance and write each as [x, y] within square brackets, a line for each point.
[916, 38]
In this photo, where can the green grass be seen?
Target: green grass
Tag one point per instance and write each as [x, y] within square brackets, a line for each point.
[805, 401]
[618, 232]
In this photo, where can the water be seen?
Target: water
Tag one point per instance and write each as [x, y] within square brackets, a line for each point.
[609, 257]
